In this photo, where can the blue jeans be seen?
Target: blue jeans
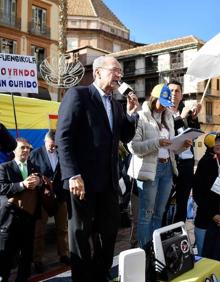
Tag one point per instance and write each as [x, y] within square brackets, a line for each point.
[199, 237]
[153, 197]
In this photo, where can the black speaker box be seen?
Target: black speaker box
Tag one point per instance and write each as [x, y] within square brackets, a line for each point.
[173, 252]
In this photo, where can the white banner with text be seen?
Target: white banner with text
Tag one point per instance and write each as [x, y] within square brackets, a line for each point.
[18, 73]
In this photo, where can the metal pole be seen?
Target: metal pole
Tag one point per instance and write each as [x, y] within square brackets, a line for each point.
[62, 38]
[14, 112]
[206, 88]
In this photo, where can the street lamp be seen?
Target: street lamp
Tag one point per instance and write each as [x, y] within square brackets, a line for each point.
[62, 4]
[59, 71]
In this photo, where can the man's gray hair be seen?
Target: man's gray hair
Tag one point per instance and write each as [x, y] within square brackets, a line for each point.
[98, 63]
[50, 135]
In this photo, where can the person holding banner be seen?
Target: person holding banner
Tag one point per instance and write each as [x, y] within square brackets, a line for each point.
[184, 117]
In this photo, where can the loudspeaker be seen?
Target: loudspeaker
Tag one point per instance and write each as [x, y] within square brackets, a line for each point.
[173, 252]
[132, 265]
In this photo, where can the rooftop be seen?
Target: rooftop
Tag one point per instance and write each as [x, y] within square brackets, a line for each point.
[182, 42]
[93, 8]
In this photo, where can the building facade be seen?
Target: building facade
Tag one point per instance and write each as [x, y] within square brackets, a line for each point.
[161, 62]
[30, 27]
[92, 23]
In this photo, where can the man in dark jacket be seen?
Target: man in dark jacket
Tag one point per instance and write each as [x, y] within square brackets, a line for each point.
[46, 160]
[91, 123]
[206, 198]
[19, 183]
[184, 117]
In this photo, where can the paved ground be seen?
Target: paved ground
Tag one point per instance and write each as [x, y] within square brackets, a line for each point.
[51, 260]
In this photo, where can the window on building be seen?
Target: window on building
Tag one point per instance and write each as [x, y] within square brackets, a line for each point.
[208, 91]
[129, 67]
[176, 60]
[8, 11]
[217, 84]
[8, 46]
[72, 43]
[178, 76]
[150, 83]
[116, 47]
[209, 114]
[75, 23]
[151, 64]
[39, 54]
[39, 17]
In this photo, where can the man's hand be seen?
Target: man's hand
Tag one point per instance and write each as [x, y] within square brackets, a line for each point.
[132, 103]
[216, 219]
[31, 181]
[77, 187]
[196, 110]
[185, 111]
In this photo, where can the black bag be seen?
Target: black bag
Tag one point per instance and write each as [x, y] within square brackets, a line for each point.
[211, 247]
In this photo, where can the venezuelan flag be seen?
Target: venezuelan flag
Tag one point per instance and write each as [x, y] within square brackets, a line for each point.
[33, 117]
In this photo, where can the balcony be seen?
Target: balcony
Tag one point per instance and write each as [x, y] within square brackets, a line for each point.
[174, 66]
[9, 20]
[151, 68]
[129, 71]
[40, 30]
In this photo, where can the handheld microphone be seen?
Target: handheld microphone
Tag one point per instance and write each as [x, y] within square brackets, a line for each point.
[124, 89]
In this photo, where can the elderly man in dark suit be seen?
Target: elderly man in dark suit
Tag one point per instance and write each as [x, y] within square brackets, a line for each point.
[20, 183]
[91, 123]
[46, 160]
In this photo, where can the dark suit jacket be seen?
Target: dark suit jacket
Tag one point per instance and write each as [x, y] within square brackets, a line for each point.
[40, 160]
[7, 142]
[207, 200]
[10, 178]
[86, 144]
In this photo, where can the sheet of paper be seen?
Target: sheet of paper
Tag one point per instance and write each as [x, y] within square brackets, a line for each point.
[177, 141]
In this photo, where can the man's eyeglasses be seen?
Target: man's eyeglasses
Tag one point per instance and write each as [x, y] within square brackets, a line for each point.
[114, 70]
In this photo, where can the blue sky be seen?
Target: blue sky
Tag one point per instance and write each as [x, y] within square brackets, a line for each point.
[152, 21]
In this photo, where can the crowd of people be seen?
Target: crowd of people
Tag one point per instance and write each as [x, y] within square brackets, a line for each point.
[74, 177]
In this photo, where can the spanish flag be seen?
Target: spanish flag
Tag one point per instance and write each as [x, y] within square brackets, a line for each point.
[53, 118]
